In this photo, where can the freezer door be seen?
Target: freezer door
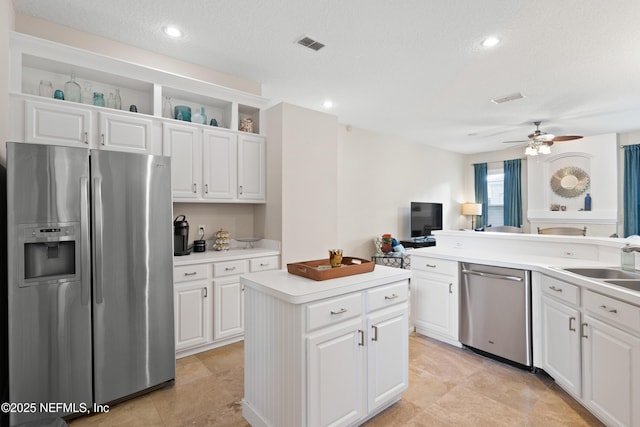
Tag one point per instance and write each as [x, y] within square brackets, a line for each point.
[134, 345]
[48, 278]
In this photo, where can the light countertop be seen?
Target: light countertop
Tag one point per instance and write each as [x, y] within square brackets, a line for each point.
[298, 290]
[548, 265]
[230, 255]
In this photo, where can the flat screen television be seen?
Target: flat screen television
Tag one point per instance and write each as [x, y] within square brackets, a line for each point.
[425, 217]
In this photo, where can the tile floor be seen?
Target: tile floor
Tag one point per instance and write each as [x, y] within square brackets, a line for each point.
[447, 387]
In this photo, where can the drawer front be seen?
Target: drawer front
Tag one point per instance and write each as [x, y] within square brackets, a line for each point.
[388, 295]
[434, 265]
[262, 264]
[561, 290]
[229, 268]
[187, 273]
[611, 309]
[333, 311]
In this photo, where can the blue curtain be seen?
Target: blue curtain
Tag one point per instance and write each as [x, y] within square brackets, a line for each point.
[631, 190]
[512, 193]
[480, 187]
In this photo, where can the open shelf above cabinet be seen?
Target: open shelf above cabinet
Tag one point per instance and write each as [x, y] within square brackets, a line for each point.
[35, 59]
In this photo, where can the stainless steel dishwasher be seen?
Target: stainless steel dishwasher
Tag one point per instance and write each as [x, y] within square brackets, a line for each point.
[495, 311]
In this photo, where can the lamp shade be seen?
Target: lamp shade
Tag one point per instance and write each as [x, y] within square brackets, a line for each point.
[472, 209]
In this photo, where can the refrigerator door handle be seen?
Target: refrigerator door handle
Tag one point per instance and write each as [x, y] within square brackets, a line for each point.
[84, 240]
[98, 252]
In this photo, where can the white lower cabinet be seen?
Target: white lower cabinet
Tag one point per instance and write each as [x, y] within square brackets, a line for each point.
[209, 302]
[561, 346]
[192, 314]
[353, 349]
[336, 366]
[228, 308]
[435, 298]
[592, 349]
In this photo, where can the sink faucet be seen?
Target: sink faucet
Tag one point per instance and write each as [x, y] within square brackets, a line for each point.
[628, 258]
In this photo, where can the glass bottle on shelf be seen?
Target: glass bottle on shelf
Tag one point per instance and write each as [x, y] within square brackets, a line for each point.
[167, 110]
[87, 94]
[45, 89]
[72, 90]
[111, 101]
[118, 100]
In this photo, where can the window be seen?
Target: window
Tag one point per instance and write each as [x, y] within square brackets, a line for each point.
[495, 194]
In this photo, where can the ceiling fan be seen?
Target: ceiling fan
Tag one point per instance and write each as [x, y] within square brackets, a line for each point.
[540, 142]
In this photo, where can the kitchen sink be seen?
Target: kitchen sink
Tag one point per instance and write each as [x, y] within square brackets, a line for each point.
[605, 274]
[634, 285]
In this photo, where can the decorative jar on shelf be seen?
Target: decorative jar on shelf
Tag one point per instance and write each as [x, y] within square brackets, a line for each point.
[72, 90]
[98, 99]
[118, 100]
[167, 110]
[246, 125]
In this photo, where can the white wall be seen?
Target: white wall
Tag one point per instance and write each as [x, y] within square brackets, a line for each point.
[309, 184]
[596, 156]
[380, 175]
[7, 23]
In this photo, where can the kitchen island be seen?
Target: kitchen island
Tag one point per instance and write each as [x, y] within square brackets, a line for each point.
[319, 353]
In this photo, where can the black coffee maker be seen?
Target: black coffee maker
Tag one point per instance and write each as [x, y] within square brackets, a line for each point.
[181, 236]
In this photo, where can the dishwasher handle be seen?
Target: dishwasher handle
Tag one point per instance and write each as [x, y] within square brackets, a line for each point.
[492, 276]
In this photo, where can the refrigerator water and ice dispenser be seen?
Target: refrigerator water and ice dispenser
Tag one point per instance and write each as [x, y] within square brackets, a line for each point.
[50, 254]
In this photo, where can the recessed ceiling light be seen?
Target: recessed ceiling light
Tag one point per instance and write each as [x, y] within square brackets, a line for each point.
[327, 104]
[490, 41]
[172, 31]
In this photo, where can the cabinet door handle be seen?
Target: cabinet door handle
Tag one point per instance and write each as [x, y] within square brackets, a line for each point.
[553, 288]
[102, 139]
[431, 265]
[375, 333]
[450, 288]
[241, 189]
[195, 187]
[264, 264]
[583, 328]
[608, 309]
[206, 188]
[191, 274]
[229, 268]
[205, 292]
[335, 313]
[571, 325]
[393, 296]
[361, 332]
[86, 138]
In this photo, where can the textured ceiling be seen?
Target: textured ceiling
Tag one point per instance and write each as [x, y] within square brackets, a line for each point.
[413, 68]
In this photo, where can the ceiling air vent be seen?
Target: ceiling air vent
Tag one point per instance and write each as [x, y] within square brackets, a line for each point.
[307, 41]
[508, 98]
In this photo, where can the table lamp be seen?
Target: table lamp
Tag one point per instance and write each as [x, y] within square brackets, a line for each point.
[472, 209]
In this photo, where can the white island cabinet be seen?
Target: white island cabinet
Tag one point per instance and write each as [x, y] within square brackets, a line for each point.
[324, 353]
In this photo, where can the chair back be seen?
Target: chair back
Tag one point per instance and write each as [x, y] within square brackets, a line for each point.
[565, 231]
[504, 229]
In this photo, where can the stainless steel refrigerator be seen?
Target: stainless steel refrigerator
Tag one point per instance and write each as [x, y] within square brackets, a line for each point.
[90, 289]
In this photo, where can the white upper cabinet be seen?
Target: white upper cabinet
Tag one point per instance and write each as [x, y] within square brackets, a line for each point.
[183, 143]
[122, 132]
[251, 168]
[46, 123]
[220, 171]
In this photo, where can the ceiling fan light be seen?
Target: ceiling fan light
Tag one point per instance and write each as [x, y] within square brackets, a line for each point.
[544, 149]
[531, 151]
[545, 137]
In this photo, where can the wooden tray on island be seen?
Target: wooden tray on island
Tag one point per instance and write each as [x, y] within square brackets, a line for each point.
[320, 269]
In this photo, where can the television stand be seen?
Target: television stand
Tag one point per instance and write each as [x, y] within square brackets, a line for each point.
[418, 243]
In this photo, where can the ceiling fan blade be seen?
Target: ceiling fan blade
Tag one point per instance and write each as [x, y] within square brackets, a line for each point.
[566, 138]
[515, 142]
